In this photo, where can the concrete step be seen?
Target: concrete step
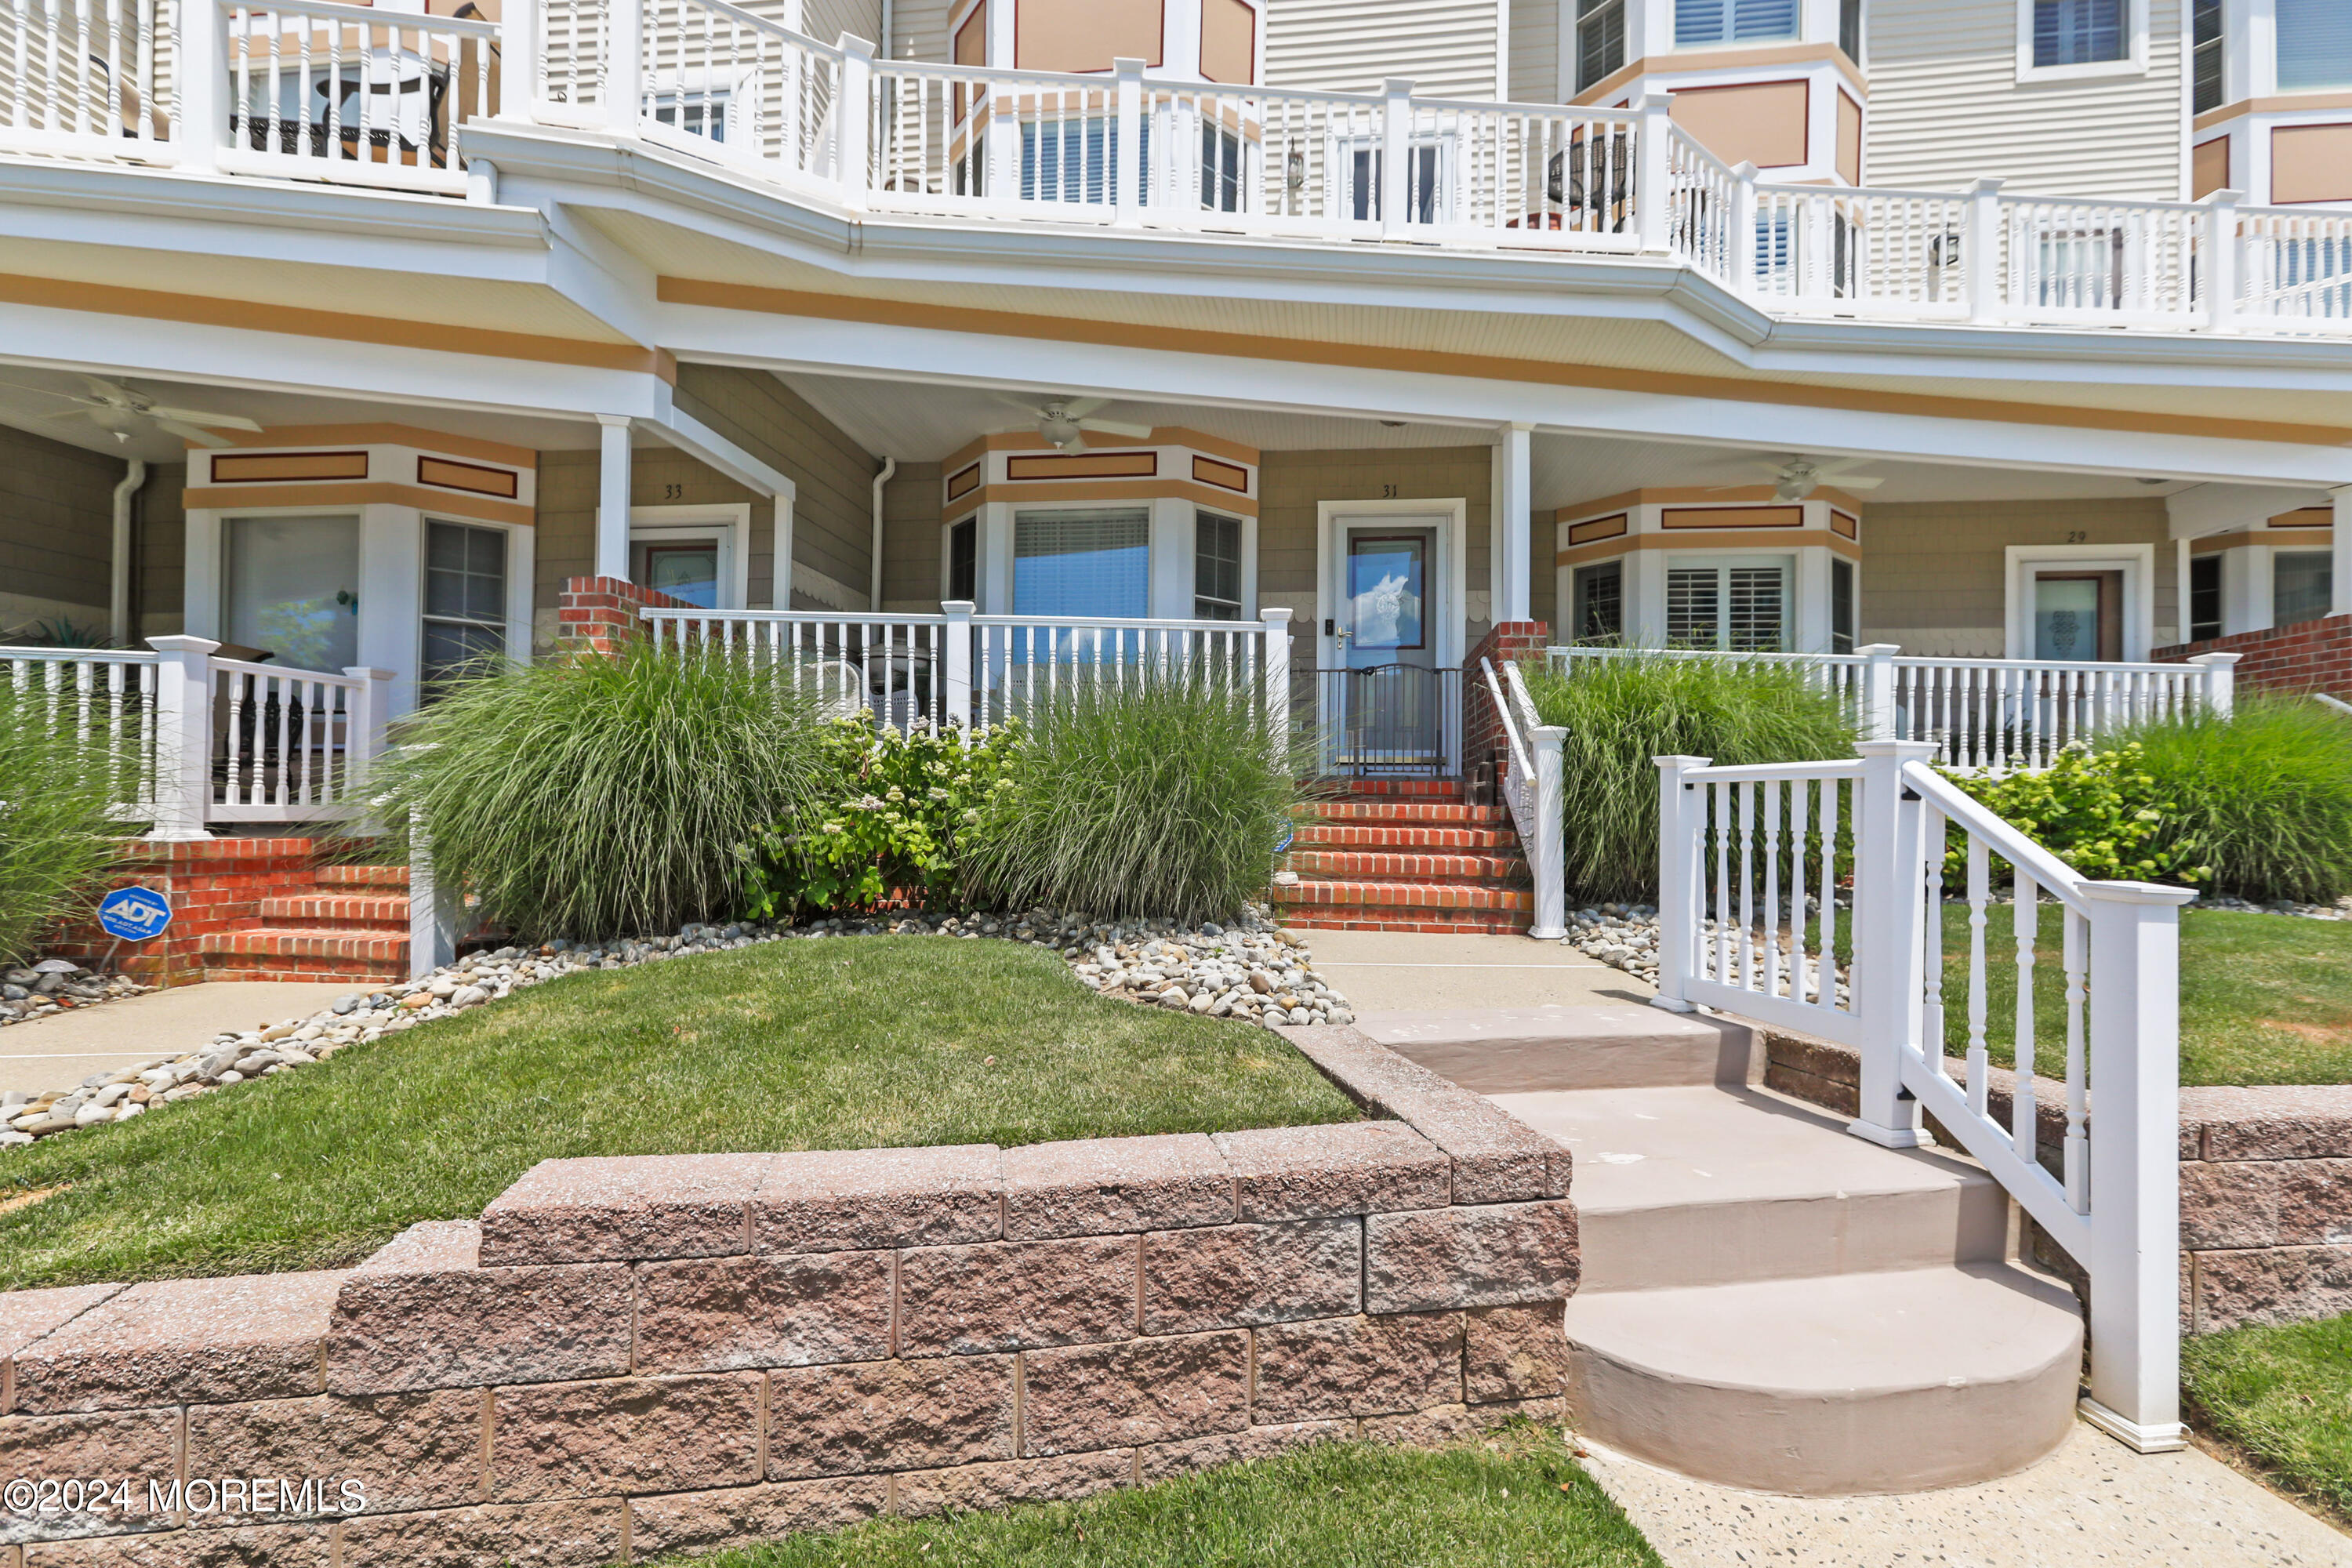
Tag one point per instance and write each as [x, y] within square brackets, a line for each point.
[1407, 865]
[1701, 1186]
[1505, 1051]
[1826, 1387]
[1422, 837]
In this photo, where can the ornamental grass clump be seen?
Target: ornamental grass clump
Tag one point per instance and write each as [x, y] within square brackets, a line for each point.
[2263, 797]
[1621, 712]
[56, 831]
[593, 795]
[1165, 797]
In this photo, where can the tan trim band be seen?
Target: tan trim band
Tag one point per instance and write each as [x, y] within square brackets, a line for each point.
[475, 479]
[2283, 539]
[1723, 59]
[1613, 526]
[1222, 475]
[384, 435]
[1103, 489]
[1731, 517]
[154, 305]
[2284, 105]
[1775, 539]
[441, 503]
[1034, 466]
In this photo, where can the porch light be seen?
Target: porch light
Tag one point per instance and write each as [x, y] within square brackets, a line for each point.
[1294, 169]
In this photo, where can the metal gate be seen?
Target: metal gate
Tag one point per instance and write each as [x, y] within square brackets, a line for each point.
[1390, 720]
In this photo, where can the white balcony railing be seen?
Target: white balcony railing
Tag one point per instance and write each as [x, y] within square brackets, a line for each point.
[184, 740]
[315, 90]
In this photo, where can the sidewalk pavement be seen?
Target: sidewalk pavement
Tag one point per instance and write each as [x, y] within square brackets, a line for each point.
[62, 1050]
[1413, 971]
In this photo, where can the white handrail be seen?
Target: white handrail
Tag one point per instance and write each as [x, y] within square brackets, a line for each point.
[1531, 789]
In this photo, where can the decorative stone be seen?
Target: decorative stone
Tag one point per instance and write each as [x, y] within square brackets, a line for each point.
[1345, 1168]
[584, 1535]
[408, 1450]
[1493, 1255]
[1015, 1295]
[2272, 1285]
[1140, 1390]
[890, 1414]
[1101, 1186]
[1240, 1275]
[827, 1200]
[969, 1488]
[683, 1522]
[722, 1313]
[623, 1435]
[1514, 1353]
[1357, 1366]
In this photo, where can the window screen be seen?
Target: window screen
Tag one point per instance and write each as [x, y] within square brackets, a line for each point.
[2079, 31]
[1844, 608]
[1091, 563]
[2314, 43]
[963, 560]
[1216, 567]
[1736, 609]
[2205, 59]
[1600, 602]
[1849, 29]
[1600, 40]
[465, 597]
[2300, 588]
[2204, 597]
[1733, 21]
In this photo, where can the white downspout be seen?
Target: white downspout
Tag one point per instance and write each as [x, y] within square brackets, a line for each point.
[118, 620]
[874, 582]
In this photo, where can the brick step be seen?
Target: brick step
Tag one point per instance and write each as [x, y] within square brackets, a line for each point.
[1412, 789]
[1409, 866]
[361, 876]
[1333, 892]
[1420, 837]
[1459, 922]
[1395, 812]
[310, 912]
[364, 976]
[374, 954]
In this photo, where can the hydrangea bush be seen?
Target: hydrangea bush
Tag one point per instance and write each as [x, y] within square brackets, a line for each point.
[2101, 812]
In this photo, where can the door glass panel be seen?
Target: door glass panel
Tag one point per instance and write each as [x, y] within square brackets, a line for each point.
[2066, 618]
[1387, 582]
[685, 572]
[293, 589]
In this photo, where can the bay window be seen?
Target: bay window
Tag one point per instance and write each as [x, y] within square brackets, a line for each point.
[1082, 562]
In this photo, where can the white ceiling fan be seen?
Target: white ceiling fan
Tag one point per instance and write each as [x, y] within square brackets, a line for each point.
[120, 409]
[1064, 422]
[1797, 476]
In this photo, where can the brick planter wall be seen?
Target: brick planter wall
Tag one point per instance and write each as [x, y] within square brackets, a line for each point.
[213, 884]
[628, 1358]
[2265, 1185]
[2308, 656]
[601, 613]
[1482, 727]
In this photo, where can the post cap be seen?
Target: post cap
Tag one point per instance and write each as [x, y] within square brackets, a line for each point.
[365, 672]
[2145, 893]
[956, 606]
[1909, 751]
[182, 643]
[1880, 649]
[1682, 762]
[2220, 660]
[1276, 613]
[855, 46]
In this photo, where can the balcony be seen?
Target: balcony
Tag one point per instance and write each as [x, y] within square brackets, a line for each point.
[315, 91]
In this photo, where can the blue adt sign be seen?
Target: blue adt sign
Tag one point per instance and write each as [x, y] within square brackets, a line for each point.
[133, 914]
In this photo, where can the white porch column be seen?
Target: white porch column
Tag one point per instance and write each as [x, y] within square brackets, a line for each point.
[1514, 512]
[613, 499]
[2339, 598]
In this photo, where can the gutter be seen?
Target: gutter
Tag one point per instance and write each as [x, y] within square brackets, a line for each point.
[874, 589]
[118, 623]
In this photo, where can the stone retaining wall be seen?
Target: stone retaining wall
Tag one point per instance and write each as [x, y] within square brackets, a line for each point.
[629, 1358]
[2265, 1185]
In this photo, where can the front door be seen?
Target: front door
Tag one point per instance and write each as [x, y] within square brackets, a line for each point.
[1386, 710]
[2078, 616]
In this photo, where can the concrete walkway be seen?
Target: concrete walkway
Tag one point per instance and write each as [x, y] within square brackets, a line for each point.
[66, 1047]
[1412, 971]
[2092, 1504]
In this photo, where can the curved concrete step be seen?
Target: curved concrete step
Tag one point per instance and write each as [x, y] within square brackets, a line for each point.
[1829, 1387]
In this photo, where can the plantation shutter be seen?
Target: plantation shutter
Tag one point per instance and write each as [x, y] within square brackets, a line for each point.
[1092, 562]
[1693, 612]
[1733, 609]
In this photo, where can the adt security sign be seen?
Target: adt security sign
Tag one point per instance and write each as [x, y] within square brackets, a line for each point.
[133, 914]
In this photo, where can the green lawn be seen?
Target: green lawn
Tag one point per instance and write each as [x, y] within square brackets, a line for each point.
[2282, 1396]
[2264, 998]
[844, 1043]
[1516, 1501]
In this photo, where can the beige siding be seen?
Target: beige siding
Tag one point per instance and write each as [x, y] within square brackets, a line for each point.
[565, 544]
[1935, 574]
[160, 552]
[918, 30]
[1946, 107]
[57, 531]
[1446, 48]
[826, 20]
[833, 520]
[910, 539]
[1534, 52]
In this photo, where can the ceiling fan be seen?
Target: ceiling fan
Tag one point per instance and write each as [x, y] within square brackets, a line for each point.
[118, 408]
[1797, 476]
[1064, 422]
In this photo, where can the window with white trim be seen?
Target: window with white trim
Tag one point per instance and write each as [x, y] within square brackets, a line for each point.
[2314, 45]
[1731, 607]
[1599, 595]
[1216, 567]
[1844, 606]
[963, 560]
[2204, 597]
[465, 599]
[1849, 29]
[1733, 21]
[2301, 585]
[2080, 32]
[1600, 40]
[1082, 562]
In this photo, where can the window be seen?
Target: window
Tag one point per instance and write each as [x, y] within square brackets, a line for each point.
[1216, 567]
[293, 589]
[1733, 21]
[2080, 269]
[1849, 29]
[1599, 603]
[2314, 43]
[696, 113]
[2204, 597]
[2205, 55]
[1600, 40]
[465, 597]
[1735, 609]
[963, 560]
[1075, 160]
[1089, 562]
[1843, 606]
[687, 570]
[1221, 169]
[2080, 32]
[2301, 585]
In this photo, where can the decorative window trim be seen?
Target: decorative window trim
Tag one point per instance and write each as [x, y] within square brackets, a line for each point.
[729, 522]
[2136, 562]
[2133, 63]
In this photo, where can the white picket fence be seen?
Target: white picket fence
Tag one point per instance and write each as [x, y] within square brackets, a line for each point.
[1987, 715]
[1750, 865]
[185, 739]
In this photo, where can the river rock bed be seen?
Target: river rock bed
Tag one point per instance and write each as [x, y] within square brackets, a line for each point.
[56, 986]
[1252, 971]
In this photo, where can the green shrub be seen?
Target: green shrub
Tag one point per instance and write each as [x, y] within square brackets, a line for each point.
[2262, 797]
[56, 834]
[897, 814]
[1622, 713]
[2101, 812]
[1161, 797]
[591, 797]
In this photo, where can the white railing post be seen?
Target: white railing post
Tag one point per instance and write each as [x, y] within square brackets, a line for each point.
[1273, 670]
[1987, 280]
[1547, 856]
[1396, 157]
[958, 632]
[1741, 262]
[2135, 1263]
[853, 119]
[1126, 174]
[520, 61]
[1653, 194]
[1677, 873]
[1877, 708]
[364, 725]
[203, 86]
[2224, 256]
[2220, 681]
[432, 928]
[624, 61]
[1889, 909]
[184, 736]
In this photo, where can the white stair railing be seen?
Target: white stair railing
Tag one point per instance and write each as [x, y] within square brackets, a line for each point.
[1531, 789]
[1739, 851]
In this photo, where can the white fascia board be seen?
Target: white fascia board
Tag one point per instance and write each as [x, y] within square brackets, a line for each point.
[838, 348]
[2201, 509]
[691, 436]
[2088, 356]
[83, 340]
